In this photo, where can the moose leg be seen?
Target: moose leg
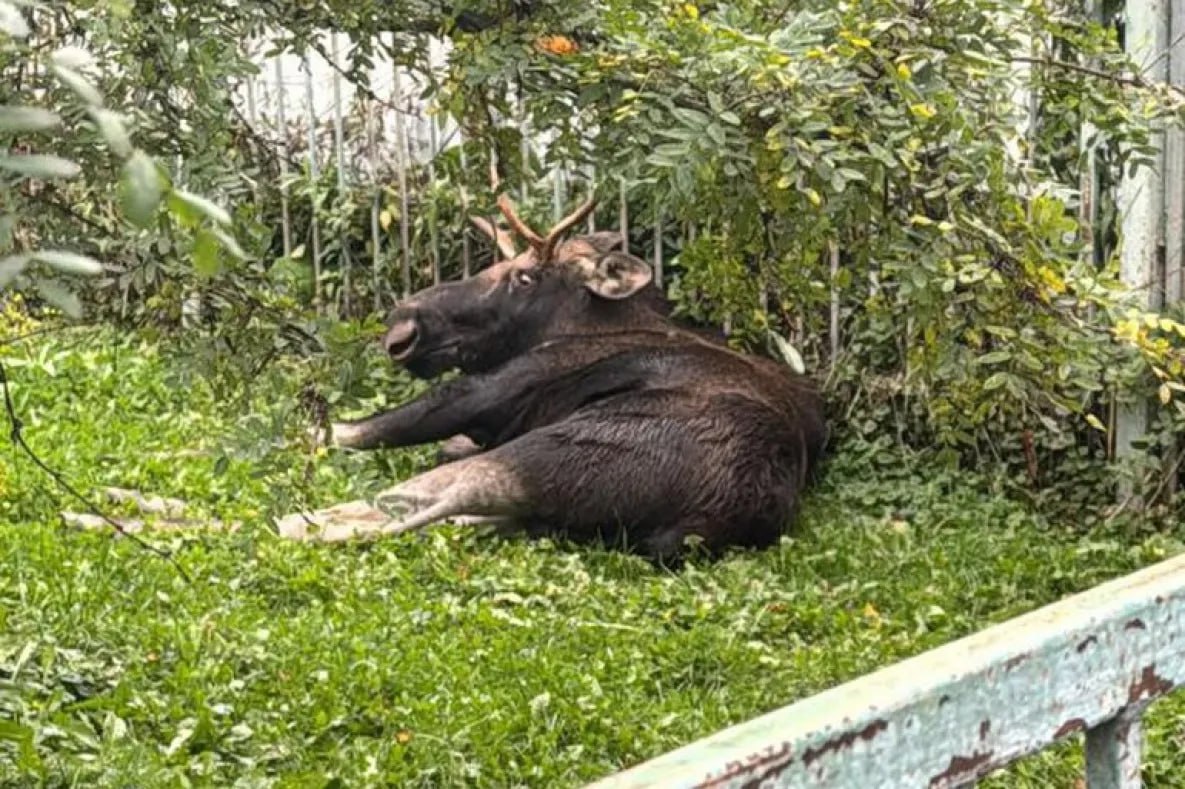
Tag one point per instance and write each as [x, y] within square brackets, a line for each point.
[472, 491]
[480, 489]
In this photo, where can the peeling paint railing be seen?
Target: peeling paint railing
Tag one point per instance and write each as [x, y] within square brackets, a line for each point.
[948, 717]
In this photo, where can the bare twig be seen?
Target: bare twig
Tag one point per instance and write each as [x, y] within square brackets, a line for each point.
[1132, 80]
[19, 439]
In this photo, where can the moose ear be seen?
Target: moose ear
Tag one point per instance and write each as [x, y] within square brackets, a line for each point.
[603, 240]
[618, 276]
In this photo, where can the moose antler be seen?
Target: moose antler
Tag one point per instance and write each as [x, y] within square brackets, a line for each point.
[544, 246]
[500, 237]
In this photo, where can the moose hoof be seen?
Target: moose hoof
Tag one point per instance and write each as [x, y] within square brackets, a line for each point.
[343, 435]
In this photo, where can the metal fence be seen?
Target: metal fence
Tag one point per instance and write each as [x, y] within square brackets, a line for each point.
[1091, 663]
[373, 137]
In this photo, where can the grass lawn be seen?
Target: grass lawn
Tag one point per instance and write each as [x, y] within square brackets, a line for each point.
[452, 657]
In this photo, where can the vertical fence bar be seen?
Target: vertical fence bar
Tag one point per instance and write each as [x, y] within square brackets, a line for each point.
[402, 163]
[464, 195]
[658, 225]
[376, 207]
[433, 217]
[1113, 752]
[282, 122]
[315, 178]
[592, 184]
[557, 194]
[1141, 202]
[623, 217]
[524, 149]
[1174, 169]
[253, 119]
[1174, 203]
[1088, 183]
[833, 327]
[339, 146]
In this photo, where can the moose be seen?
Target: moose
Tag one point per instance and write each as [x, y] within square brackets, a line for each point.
[584, 410]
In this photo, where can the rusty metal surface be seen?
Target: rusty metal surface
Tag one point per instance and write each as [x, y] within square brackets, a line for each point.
[954, 714]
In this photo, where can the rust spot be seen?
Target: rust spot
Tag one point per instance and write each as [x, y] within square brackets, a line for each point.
[1013, 662]
[1135, 624]
[985, 726]
[1069, 727]
[1149, 685]
[773, 758]
[961, 768]
[844, 740]
[1084, 643]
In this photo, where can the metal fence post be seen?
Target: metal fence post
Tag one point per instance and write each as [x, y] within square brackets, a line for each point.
[402, 164]
[315, 181]
[282, 122]
[1113, 750]
[1141, 201]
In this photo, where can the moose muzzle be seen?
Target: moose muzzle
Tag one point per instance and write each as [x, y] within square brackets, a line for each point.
[401, 339]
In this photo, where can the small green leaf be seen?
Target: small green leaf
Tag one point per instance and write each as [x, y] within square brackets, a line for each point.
[140, 189]
[206, 260]
[113, 130]
[11, 731]
[69, 262]
[788, 353]
[81, 86]
[11, 268]
[60, 297]
[37, 165]
[189, 205]
[995, 357]
[995, 381]
[229, 243]
[14, 118]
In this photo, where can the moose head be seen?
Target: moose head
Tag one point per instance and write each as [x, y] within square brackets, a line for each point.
[554, 286]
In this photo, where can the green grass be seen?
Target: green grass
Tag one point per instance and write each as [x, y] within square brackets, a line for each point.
[452, 657]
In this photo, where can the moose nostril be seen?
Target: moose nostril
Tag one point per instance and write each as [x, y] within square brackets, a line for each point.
[401, 339]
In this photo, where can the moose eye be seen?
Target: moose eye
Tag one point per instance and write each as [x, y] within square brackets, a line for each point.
[523, 278]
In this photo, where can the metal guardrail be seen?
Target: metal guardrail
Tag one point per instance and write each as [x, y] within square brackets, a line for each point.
[948, 717]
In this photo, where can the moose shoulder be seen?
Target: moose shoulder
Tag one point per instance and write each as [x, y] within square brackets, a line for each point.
[594, 414]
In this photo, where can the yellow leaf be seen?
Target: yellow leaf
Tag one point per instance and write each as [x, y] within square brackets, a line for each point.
[813, 196]
[1094, 422]
[1165, 393]
[918, 219]
[691, 10]
[785, 182]
[903, 71]
[870, 611]
[403, 737]
[923, 111]
[385, 218]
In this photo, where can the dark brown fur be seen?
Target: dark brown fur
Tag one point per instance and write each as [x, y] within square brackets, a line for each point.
[619, 424]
